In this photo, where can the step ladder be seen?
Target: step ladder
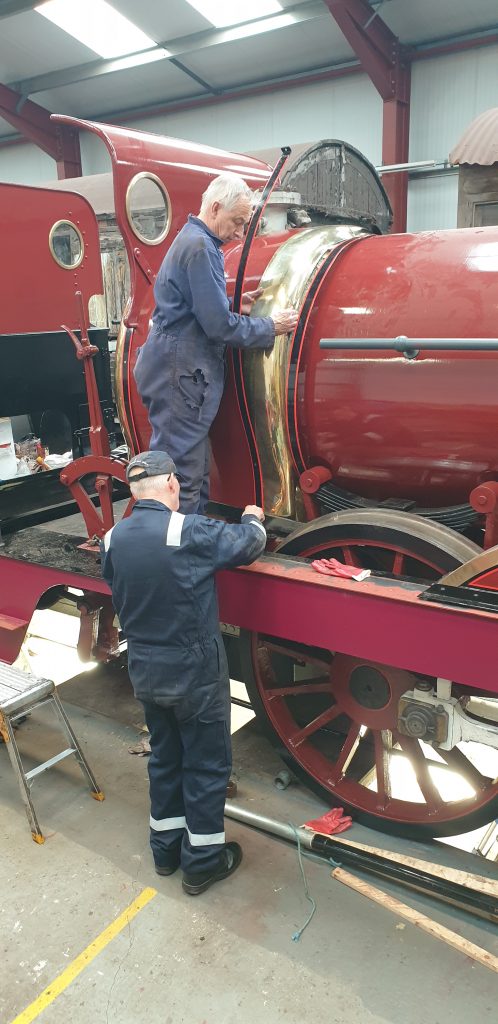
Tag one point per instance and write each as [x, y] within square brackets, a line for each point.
[21, 693]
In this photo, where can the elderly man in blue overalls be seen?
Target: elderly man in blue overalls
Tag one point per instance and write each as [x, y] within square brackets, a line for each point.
[160, 566]
[180, 370]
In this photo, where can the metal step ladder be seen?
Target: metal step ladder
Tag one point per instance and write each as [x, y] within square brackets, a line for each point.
[21, 693]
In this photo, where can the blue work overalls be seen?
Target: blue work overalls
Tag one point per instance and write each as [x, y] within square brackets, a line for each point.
[180, 369]
[160, 566]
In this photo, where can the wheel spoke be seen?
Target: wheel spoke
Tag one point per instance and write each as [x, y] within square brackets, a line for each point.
[299, 653]
[382, 746]
[411, 747]
[350, 557]
[298, 688]
[397, 569]
[459, 763]
[348, 751]
[317, 723]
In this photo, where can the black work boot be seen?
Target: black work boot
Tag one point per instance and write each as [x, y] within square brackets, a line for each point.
[197, 882]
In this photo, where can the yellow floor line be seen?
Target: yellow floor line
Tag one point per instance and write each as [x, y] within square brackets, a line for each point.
[78, 965]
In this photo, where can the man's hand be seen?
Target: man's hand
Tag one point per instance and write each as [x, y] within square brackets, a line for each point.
[254, 510]
[248, 300]
[284, 321]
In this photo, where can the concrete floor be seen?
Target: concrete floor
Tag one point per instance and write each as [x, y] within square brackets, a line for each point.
[228, 955]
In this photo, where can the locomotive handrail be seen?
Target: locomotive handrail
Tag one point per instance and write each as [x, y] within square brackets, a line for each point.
[410, 347]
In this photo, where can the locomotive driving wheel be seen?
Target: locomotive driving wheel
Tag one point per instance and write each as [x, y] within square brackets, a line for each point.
[334, 718]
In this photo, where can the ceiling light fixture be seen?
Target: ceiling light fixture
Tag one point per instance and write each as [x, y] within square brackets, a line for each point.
[222, 13]
[98, 25]
[255, 28]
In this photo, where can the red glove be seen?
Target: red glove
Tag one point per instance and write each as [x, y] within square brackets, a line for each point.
[331, 823]
[331, 567]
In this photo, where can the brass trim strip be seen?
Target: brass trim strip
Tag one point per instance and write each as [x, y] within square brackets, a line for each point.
[285, 283]
[53, 229]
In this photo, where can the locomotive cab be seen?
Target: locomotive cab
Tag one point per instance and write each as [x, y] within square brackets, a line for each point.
[53, 254]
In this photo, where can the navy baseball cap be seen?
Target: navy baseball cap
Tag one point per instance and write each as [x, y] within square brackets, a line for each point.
[149, 464]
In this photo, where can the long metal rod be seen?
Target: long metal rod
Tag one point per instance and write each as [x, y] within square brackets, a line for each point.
[393, 168]
[472, 900]
[271, 825]
[412, 345]
[241, 703]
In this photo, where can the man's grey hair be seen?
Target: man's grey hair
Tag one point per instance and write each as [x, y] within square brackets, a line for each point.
[148, 485]
[226, 189]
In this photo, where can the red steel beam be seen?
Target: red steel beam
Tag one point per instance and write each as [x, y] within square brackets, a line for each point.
[442, 49]
[386, 62]
[378, 620]
[59, 141]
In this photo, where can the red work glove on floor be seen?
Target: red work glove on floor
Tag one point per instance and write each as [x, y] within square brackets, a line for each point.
[331, 823]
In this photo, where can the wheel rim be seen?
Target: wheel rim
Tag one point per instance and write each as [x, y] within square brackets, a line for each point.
[337, 715]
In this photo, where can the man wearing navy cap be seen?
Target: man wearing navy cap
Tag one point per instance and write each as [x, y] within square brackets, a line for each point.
[160, 566]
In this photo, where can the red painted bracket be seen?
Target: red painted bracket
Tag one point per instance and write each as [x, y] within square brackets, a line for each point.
[484, 499]
[106, 468]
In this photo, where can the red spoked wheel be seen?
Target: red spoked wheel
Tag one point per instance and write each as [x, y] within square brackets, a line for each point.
[333, 718]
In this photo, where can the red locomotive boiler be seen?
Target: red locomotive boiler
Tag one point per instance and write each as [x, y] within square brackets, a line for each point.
[384, 458]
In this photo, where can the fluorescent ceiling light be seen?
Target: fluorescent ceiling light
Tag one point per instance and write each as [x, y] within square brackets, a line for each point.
[98, 25]
[255, 28]
[232, 12]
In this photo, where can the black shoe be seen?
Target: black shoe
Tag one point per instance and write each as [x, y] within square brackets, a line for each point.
[199, 881]
[170, 862]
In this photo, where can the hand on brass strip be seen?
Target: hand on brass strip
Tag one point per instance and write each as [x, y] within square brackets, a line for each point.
[284, 320]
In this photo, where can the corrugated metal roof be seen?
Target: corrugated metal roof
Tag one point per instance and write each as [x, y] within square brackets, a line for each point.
[479, 142]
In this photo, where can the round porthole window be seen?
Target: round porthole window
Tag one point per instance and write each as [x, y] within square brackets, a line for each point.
[148, 208]
[66, 244]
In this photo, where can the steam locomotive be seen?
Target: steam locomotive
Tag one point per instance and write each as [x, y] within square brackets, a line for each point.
[379, 452]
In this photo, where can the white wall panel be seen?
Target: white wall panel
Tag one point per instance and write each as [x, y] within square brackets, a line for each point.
[26, 165]
[95, 157]
[447, 94]
[432, 203]
[348, 108]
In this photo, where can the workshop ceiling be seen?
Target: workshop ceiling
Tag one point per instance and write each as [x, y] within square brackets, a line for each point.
[46, 64]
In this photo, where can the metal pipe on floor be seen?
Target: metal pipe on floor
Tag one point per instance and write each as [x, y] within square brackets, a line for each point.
[474, 900]
[271, 825]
